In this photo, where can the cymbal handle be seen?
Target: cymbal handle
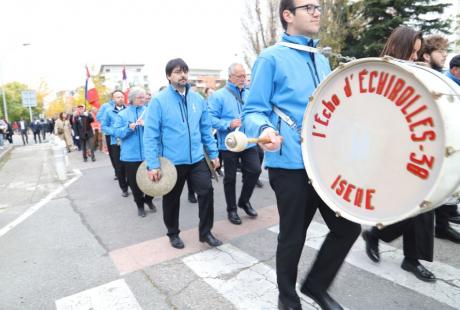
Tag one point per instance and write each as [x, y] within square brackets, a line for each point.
[259, 140]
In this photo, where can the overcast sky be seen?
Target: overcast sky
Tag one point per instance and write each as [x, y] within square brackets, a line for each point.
[67, 34]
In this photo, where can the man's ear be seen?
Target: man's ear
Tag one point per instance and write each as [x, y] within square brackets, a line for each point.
[288, 16]
[426, 57]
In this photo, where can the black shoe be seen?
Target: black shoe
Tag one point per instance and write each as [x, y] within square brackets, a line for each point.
[455, 219]
[285, 306]
[192, 198]
[247, 207]
[448, 233]
[85, 159]
[125, 194]
[115, 178]
[323, 299]
[418, 270]
[234, 218]
[259, 184]
[211, 240]
[151, 206]
[141, 212]
[220, 173]
[372, 246]
[176, 242]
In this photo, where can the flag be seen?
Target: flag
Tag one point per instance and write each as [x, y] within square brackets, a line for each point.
[125, 85]
[91, 94]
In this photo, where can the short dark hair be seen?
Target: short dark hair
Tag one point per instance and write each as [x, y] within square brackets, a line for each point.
[401, 42]
[174, 63]
[286, 5]
[117, 91]
[454, 62]
[433, 43]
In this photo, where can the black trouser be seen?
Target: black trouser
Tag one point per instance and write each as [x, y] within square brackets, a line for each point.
[297, 204]
[417, 233]
[131, 171]
[107, 140]
[86, 144]
[120, 171]
[190, 188]
[443, 213]
[43, 133]
[200, 177]
[37, 134]
[24, 136]
[250, 167]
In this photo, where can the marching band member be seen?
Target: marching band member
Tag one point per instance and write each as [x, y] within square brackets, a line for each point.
[129, 128]
[404, 43]
[177, 127]
[283, 79]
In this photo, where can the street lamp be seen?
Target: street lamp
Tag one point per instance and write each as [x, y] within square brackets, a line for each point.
[5, 109]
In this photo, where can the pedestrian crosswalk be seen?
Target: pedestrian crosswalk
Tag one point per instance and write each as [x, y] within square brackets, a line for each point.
[247, 282]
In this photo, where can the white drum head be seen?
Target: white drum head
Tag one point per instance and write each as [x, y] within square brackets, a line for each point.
[373, 152]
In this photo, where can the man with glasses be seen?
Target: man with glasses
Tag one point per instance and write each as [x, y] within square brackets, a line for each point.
[283, 79]
[177, 126]
[225, 108]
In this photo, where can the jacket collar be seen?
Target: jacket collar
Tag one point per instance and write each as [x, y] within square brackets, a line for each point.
[172, 89]
[235, 88]
[302, 40]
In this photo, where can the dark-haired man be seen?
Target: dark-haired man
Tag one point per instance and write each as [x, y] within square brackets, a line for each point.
[282, 80]
[82, 128]
[177, 126]
[454, 69]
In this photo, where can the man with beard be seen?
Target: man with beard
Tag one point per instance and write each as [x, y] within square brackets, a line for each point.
[177, 126]
[434, 53]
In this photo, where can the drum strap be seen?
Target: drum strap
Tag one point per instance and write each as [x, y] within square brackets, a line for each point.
[326, 51]
[287, 119]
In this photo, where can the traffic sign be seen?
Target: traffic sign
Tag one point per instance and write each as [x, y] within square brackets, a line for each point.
[29, 98]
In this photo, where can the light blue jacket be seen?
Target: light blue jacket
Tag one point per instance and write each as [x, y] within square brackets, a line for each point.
[108, 106]
[108, 123]
[132, 144]
[285, 78]
[225, 107]
[453, 78]
[177, 127]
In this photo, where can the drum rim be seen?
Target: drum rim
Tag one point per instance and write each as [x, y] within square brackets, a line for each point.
[310, 171]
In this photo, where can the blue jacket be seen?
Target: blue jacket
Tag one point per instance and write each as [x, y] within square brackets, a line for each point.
[223, 108]
[108, 123]
[453, 78]
[132, 144]
[285, 78]
[102, 112]
[177, 128]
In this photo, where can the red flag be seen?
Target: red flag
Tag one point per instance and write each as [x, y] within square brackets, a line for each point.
[125, 85]
[91, 94]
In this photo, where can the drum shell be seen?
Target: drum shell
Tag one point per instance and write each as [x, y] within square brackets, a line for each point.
[444, 95]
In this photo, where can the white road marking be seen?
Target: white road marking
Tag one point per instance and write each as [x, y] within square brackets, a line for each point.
[115, 295]
[39, 205]
[239, 277]
[446, 289]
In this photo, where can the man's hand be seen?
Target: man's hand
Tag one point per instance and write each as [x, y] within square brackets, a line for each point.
[235, 123]
[140, 122]
[154, 175]
[215, 163]
[274, 137]
[132, 126]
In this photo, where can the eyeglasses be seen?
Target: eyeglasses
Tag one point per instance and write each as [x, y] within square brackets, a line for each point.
[310, 8]
[239, 77]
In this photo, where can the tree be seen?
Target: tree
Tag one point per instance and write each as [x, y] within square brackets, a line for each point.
[261, 27]
[381, 17]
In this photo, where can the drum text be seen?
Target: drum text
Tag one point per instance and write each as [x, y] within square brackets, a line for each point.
[353, 194]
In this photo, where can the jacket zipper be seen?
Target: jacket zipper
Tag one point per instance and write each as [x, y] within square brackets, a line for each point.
[188, 127]
[139, 136]
[279, 131]
[312, 74]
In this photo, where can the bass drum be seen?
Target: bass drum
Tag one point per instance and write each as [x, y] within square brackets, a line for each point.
[381, 140]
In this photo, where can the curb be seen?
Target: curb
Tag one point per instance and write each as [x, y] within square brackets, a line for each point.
[8, 150]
